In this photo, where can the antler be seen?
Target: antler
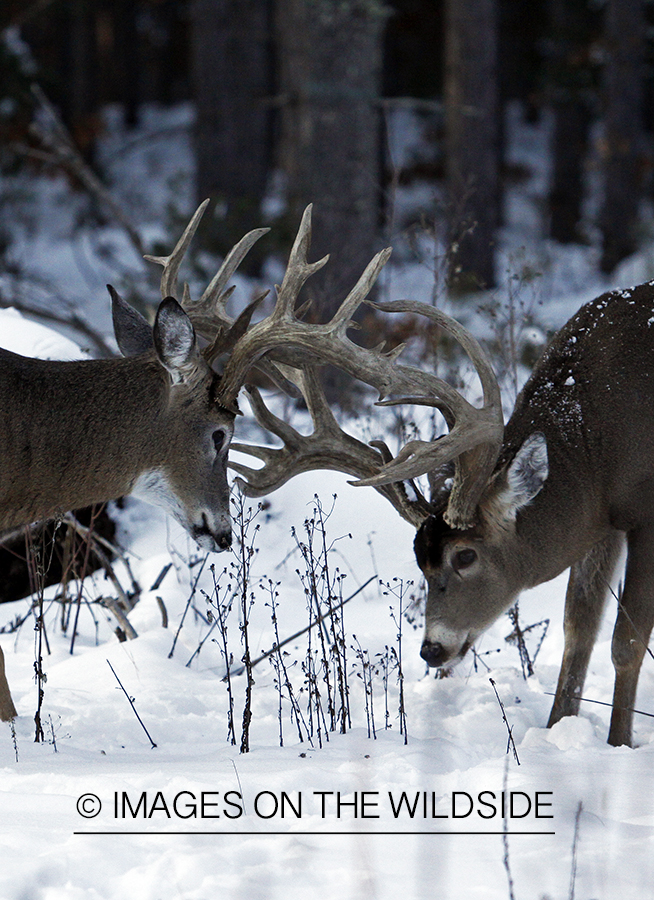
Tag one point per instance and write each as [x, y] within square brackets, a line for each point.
[288, 348]
[475, 435]
[481, 429]
[328, 447]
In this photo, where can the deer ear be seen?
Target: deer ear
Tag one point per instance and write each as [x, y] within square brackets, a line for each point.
[524, 477]
[133, 332]
[174, 341]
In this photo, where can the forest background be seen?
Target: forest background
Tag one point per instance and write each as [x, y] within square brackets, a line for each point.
[292, 101]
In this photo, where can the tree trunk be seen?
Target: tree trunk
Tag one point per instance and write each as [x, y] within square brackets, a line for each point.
[471, 140]
[231, 73]
[624, 31]
[570, 86]
[79, 100]
[569, 147]
[330, 141]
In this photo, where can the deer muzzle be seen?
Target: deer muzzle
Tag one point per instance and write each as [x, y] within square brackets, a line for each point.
[434, 654]
[213, 537]
[438, 655]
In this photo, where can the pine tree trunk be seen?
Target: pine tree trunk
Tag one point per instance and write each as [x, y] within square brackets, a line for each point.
[570, 89]
[623, 92]
[330, 77]
[231, 71]
[471, 140]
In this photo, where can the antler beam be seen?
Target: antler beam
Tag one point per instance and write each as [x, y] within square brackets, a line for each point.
[288, 349]
[475, 434]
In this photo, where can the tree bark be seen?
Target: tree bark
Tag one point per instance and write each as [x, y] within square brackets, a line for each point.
[330, 140]
[471, 140]
[624, 31]
[572, 91]
[231, 73]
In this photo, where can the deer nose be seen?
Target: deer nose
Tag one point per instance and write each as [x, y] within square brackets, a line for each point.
[213, 539]
[224, 540]
[433, 653]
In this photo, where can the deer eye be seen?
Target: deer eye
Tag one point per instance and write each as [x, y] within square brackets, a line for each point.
[219, 437]
[463, 559]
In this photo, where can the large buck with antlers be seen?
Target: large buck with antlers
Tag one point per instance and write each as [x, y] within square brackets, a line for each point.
[154, 423]
[562, 486]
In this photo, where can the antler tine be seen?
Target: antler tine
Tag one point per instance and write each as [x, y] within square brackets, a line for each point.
[225, 339]
[216, 292]
[328, 447]
[298, 270]
[172, 262]
[342, 319]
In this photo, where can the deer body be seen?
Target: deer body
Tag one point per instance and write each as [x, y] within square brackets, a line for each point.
[591, 398]
[71, 435]
[77, 433]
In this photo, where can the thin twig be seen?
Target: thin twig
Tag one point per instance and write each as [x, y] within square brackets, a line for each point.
[631, 622]
[186, 608]
[298, 634]
[505, 826]
[511, 743]
[631, 709]
[131, 703]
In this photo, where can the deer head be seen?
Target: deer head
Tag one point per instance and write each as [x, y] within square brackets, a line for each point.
[152, 423]
[191, 481]
[188, 476]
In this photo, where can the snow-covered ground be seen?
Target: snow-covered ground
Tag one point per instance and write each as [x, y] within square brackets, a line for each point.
[97, 812]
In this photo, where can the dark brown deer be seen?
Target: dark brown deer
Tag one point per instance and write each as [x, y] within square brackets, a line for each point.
[564, 485]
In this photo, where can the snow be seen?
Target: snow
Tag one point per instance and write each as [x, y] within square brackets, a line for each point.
[33, 339]
[457, 741]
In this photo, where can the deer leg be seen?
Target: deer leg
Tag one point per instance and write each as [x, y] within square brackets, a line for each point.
[584, 604]
[7, 708]
[632, 631]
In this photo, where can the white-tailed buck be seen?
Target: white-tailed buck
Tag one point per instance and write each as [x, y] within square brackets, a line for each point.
[563, 485]
[568, 480]
[154, 423]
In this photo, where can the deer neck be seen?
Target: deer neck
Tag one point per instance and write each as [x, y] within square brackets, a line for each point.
[565, 519]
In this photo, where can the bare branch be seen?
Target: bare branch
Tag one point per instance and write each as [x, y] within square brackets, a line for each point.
[57, 140]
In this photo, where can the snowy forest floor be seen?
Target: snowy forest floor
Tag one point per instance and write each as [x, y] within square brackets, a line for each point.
[408, 800]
